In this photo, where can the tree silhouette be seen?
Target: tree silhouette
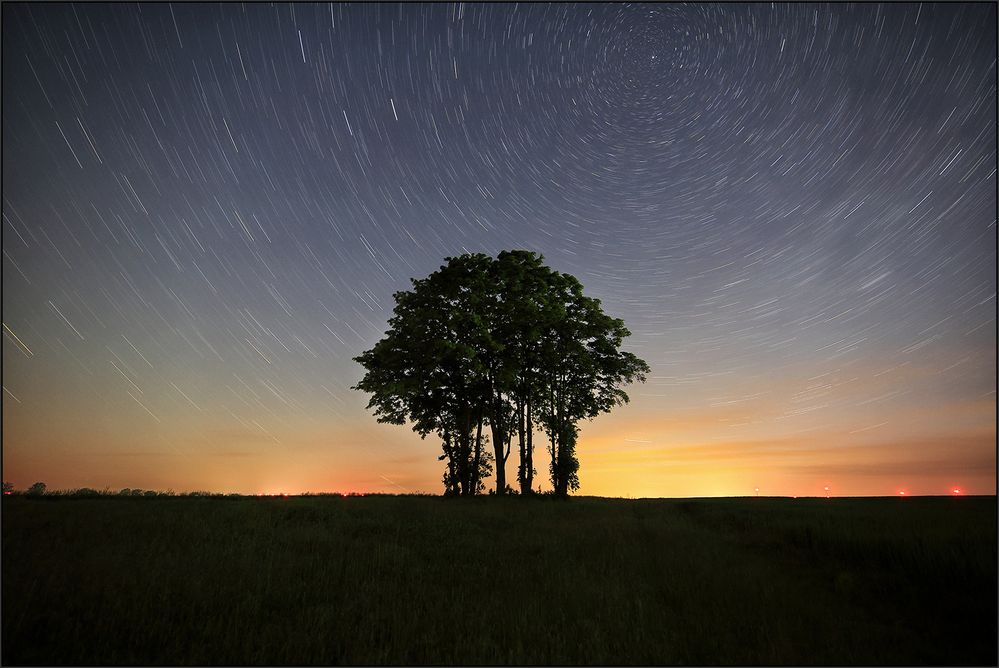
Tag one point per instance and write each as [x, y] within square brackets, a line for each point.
[512, 299]
[522, 282]
[37, 489]
[484, 342]
[582, 372]
[428, 368]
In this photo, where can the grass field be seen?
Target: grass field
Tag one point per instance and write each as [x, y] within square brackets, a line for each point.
[413, 580]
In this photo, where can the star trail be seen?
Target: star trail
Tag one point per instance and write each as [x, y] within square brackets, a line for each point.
[207, 209]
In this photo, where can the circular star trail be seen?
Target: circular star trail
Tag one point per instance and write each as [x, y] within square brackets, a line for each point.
[207, 209]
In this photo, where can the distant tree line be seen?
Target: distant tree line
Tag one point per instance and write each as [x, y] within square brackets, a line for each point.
[40, 490]
[502, 343]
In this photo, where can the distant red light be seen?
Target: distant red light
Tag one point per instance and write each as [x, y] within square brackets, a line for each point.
[957, 491]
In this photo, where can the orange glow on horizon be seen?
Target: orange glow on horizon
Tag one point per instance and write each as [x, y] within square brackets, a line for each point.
[633, 452]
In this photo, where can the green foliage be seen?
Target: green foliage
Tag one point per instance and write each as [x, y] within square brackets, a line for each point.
[427, 369]
[498, 343]
[582, 372]
[401, 580]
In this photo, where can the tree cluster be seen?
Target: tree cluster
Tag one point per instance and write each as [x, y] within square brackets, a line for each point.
[505, 344]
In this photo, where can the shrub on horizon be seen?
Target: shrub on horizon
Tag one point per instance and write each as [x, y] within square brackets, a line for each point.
[38, 489]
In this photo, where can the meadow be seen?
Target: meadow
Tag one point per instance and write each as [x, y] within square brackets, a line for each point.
[418, 580]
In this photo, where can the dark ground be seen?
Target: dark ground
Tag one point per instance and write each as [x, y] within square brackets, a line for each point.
[412, 580]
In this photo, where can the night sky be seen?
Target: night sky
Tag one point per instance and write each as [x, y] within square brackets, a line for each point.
[206, 210]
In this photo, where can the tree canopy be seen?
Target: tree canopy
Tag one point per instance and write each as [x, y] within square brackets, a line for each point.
[505, 343]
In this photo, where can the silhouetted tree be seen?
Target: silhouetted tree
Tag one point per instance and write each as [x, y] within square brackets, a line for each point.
[522, 281]
[582, 372]
[483, 342]
[428, 368]
[38, 489]
[8, 488]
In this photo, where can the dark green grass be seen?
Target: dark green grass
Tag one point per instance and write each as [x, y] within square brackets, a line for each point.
[412, 580]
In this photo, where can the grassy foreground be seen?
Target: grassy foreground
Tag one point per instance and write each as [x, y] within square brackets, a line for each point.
[413, 580]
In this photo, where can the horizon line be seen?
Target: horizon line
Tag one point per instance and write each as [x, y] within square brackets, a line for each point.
[140, 492]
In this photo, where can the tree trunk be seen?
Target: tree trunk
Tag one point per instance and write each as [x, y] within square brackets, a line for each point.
[464, 468]
[521, 467]
[561, 480]
[499, 440]
[562, 486]
[451, 482]
[566, 458]
[477, 461]
[500, 460]
[530, 449]
[553, 423]
[556, 478]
